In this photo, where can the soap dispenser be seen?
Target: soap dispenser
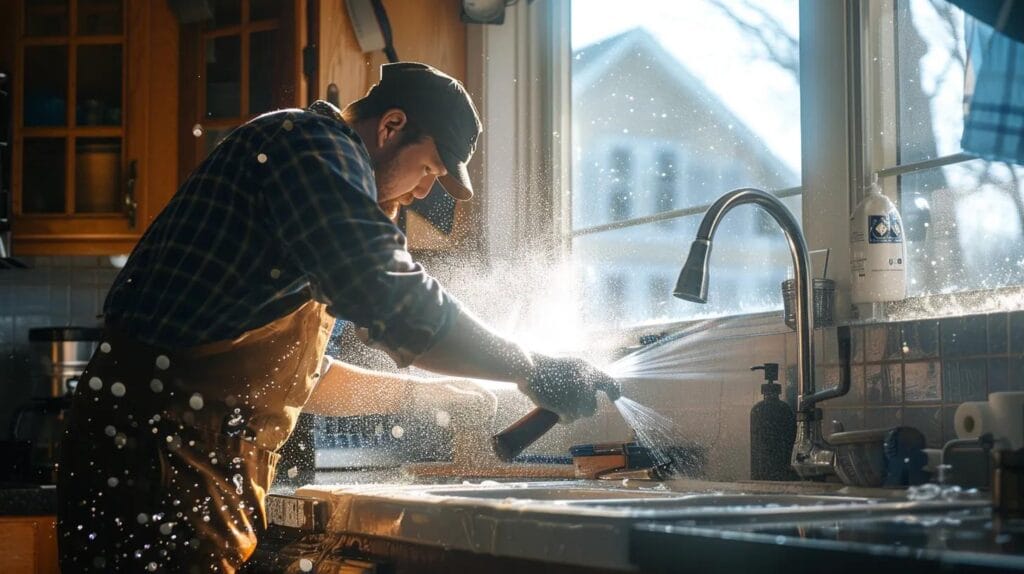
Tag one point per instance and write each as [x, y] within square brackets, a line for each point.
[772, 430]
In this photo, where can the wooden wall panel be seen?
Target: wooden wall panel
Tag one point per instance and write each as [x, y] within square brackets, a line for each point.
[427, 31]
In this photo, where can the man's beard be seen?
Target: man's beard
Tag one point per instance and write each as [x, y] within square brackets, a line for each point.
[384, 174]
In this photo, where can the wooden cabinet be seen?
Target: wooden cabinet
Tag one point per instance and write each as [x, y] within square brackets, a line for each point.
[28, 544]
[86, 82]
[240, 59]
[116, 101]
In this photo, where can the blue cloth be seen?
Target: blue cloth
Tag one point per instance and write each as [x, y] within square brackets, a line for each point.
[283, 210]
[994, 125]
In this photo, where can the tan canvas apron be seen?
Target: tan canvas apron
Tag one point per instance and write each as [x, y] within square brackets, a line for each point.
[169, 453]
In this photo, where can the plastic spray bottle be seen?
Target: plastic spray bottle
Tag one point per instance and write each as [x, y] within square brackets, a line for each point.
[878, 263]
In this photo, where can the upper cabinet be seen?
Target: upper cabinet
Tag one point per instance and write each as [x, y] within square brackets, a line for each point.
[239, 58]
[82, 74]
[115, 102]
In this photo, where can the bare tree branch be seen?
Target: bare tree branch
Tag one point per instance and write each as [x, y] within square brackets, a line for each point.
[780, 46]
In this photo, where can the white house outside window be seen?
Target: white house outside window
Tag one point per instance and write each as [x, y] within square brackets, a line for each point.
[705, 104]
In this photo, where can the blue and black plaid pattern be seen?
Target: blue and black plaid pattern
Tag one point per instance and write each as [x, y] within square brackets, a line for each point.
[284, 209]
[994, 125]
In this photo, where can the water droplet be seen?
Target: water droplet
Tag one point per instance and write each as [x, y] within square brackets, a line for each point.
[397, 431]
[236, 460]
[197, 130]
[95, 383]
[142, 518]
[162, 362]
[906, 349]
[196, 402]
[151, 567]
[275, 273]
[261, 157]
[156, 385]
[306, 565]
[120, 440]
[293, 472]
[206, 518]
[442, 418]
[112, 481]
[239, 481]
[166, 528]
[105, 347]
[117, 389]
[110, 430]
[99, 562]
[287, 125]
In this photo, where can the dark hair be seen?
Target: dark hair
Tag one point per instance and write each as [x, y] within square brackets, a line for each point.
[373, 108]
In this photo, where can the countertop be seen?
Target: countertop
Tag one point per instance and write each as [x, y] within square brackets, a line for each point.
[962, 541]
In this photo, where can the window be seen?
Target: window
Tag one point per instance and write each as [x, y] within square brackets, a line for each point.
[964, 217]
[666, 183]
[674, 104]
[620, 197]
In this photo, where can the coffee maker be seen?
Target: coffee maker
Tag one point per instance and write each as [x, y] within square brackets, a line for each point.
[61, 353]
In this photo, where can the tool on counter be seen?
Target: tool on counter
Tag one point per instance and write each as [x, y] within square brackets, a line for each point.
[513, 440]
[616, 461]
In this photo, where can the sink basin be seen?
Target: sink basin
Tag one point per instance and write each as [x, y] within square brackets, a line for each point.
[640, 499]
[582, 523]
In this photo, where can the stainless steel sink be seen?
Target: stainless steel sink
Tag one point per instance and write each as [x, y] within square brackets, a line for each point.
[622, 498]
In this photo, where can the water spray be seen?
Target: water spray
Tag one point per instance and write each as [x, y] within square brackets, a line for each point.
[513, 440]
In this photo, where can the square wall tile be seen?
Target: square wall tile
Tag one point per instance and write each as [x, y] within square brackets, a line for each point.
[964, 381]
[963, 336]
[1015, 379]
[922, 381]
[999, 375]
[875, 342]
[1017, 332]
[920, 339]
[928, 420]
[884, 383]
[857, 344]
[998, 333]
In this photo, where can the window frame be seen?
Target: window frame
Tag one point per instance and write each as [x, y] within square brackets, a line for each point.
[839, 154]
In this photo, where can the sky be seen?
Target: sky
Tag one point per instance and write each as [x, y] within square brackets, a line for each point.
[759, 92]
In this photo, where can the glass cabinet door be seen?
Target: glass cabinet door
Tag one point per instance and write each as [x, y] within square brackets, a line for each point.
[245, 62]
[72, 126]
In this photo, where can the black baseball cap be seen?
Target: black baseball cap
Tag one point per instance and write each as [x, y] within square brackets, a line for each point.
[441, 106]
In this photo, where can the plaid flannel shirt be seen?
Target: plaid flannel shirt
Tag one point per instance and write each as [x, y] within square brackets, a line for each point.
[284, 209]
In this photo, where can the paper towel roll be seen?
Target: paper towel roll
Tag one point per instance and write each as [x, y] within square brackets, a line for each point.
[1007, 411]
[973, 420]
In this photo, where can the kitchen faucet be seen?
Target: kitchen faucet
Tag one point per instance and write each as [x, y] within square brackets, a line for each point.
[812, 455]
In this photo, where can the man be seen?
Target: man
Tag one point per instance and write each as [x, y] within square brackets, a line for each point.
[216, 326]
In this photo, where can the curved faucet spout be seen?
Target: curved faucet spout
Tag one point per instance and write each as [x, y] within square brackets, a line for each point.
[809, 456]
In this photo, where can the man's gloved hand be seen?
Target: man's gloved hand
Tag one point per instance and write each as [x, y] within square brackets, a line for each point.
[568, 386]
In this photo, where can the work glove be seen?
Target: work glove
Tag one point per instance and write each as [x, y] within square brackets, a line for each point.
[568, 386]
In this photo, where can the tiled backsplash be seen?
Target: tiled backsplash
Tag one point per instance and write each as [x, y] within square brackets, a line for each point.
[54, 291]
[916, 373]
[912, 373]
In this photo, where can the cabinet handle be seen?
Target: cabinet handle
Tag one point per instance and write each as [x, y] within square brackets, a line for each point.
[130, 205]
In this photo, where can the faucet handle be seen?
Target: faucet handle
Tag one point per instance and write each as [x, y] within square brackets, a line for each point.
[771, 371]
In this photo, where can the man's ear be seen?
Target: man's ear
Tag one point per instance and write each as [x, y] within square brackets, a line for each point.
[391, 122]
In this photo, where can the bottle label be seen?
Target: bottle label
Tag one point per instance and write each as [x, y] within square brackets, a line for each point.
[885, 229]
